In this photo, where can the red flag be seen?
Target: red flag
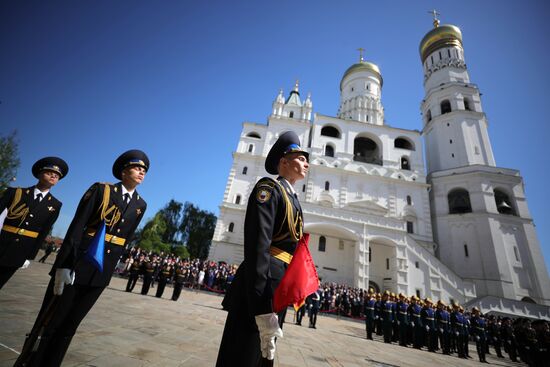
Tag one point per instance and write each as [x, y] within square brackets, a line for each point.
[300, 279]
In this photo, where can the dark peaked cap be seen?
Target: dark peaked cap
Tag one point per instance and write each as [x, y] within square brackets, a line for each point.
[130, 158]
[54, 164]
[286, 144]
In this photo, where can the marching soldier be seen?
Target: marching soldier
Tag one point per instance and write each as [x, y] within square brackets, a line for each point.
[369, 313]
[149, 269]
[165, 274]
[273, 227]
[135, 270]
[31, 213]
[313, 305]
[76, 281]
[179, 279]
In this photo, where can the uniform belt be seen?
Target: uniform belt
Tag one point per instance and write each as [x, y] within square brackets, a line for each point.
[430, 318]
[370, 308]
[402, 313]
[388, 310]
[480, 328]
[119, 241]
[280, 254]
[415, 315]
[443, 321]
[149, 270]
[20, 231]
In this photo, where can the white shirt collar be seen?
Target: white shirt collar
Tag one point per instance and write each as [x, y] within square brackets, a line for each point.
[292, 191]
[36, 192]
[124, 191]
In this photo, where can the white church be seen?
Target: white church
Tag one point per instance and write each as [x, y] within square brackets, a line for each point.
[458, 229]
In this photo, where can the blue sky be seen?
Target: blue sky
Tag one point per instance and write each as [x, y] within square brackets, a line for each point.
[87, 80]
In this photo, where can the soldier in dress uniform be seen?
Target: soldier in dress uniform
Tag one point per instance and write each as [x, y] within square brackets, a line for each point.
[76, 283]
[179, 279]
[166, 273]
[428, 321]
[402, 319]
[479, 332]
[135, 270]
[273, 226]
[457, 330]
[387, 318]
[314, 302]
[369, 313]
[31, 213]
[415, 312]
[149, 269]
[442, 318]
[509, 338]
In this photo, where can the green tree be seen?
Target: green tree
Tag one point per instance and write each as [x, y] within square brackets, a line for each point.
[150, 237]
[9, 159]
[197, 228]
[172, 217]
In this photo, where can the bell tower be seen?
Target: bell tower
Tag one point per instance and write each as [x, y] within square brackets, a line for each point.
[479, 211]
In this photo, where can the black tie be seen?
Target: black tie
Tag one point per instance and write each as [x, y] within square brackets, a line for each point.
[126, 201]
[38, 198]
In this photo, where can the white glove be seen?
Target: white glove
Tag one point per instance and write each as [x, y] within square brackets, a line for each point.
[268, 326]
[427, 328]
[62, 277]
[412, 324]
[25, 264]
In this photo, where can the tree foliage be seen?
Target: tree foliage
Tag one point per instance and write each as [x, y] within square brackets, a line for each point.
[183, 229]
[197, 228]
[9, 159]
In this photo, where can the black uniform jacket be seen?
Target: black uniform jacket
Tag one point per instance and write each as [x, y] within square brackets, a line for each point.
[121, 222]
[23, 216]
[266, 224]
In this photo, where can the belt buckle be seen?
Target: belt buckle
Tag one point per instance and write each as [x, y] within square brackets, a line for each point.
[21, 231]
[113, 239]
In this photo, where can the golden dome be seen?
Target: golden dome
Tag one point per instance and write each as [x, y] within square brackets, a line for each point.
[363, 66]
[442, 36]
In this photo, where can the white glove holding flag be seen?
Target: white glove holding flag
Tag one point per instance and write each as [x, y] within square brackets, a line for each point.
[268, 326]
[62, 277]
[25, 264]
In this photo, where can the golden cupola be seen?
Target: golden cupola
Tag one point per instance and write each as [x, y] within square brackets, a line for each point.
[441, 36]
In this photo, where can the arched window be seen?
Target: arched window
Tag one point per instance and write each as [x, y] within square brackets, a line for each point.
[409, 201]
[322, 244]
[410, 227]
[403, 143]
[329, 151]
[245, 170]
[445, 107]
[330, 131]
[254, 134]
[466, 254]
[291, 114]
[238, 199]
[405, 163]
[367, 151]
[327, 185]
[250, 148]
[504, 205]
[467, 104]
[459, 201]
[231, 226]
[429, 116]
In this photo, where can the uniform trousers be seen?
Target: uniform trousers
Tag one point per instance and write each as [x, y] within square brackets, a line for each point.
[72, 306]
[177, 291]
[132, 280]
[6, 272]
[147, 279]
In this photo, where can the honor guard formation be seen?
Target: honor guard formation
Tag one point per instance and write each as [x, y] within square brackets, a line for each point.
[96, 247]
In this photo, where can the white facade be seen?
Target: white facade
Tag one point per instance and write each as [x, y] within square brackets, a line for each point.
[376, 215]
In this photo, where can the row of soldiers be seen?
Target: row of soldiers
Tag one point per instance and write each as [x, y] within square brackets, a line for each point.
[179, 272]
[435, 325]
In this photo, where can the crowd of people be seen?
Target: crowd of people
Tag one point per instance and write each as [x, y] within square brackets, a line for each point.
[409, 321]
[170, 269]
[423, 323]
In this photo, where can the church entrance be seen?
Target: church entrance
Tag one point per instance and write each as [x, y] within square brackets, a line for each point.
[333, 250]
[383, 264]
